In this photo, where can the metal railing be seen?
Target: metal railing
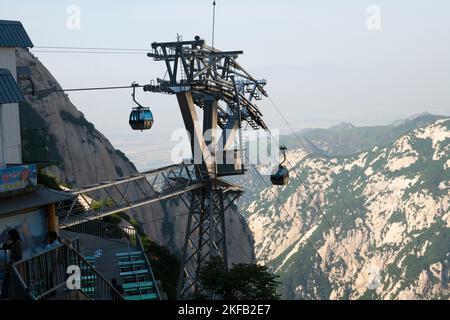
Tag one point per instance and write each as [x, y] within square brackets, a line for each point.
[45, 276]
[104, 230]
[119, 195]
[115, 232]
[147, 262]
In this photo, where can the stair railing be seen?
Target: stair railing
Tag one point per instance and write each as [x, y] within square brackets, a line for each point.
[44, 276]
[112, 231]
[104, 230]
[147, 262]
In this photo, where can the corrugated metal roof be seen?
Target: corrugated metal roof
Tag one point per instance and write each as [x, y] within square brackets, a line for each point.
[9, 91]
[38, 198]
[13, 34]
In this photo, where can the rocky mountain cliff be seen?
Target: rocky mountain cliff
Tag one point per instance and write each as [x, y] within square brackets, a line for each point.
[81, 156]
[373, 225]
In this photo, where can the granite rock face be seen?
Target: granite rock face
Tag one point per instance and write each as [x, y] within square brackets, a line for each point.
[372, 225]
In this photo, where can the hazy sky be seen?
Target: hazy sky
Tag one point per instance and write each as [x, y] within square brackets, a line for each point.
[323, 64]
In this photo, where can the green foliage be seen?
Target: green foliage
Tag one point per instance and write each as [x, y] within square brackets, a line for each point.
[165, 265]
[393, 271]
[241, 282]
[302, 268]
[115, 218]
[397, 216]
[369, 295]
[47, 181]
[104, 203]
[437, 250]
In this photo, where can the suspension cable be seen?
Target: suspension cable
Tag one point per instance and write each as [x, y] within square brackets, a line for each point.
[358, 267]
[90, 48]
[97, 88]
[305, 148]
[285, 210]
[88, 52]
[51, 90]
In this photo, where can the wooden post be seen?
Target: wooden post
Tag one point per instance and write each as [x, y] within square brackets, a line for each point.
[52, 218]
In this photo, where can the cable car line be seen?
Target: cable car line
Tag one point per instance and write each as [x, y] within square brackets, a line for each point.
[285, 210]
[306, 150]
[358, 267]
[90, 48]
[89, 52]
[317, 205]
[47, 91]
[98, 88]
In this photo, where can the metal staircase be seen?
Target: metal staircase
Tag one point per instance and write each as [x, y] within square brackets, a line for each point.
[127, 255]
[44, 277]
[205, 199]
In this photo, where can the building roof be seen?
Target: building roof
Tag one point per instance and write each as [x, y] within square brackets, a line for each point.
[13, 34]
[38, 198]
[9, 91]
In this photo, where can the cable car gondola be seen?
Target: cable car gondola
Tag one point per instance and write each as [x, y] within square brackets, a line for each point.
[141, 118]
[281, 177]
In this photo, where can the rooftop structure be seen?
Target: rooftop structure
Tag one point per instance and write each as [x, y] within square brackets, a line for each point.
[13, 34]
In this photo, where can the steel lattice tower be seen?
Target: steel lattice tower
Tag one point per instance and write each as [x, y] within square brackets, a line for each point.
[211, 80]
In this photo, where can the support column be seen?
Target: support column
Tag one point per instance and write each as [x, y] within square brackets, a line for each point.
[52, 218]
[193, 125]
[205, 238]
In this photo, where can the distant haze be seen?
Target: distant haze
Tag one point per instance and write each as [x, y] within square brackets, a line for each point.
[323, 65]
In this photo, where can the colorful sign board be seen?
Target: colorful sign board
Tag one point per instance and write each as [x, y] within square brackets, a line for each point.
[18, 177]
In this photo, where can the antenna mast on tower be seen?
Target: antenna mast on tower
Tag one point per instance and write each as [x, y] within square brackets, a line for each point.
[214, 23]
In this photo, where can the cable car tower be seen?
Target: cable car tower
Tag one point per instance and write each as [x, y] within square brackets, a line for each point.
[211, 82]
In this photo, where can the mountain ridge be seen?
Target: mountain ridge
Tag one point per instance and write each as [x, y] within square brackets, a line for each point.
[345, 139]
[388, 206]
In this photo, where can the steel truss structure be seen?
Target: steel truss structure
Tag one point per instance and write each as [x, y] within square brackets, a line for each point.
[103, 199]
[211, 80]
[206, 234]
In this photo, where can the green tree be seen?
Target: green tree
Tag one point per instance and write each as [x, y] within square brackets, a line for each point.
[165, 265]
[241, 282]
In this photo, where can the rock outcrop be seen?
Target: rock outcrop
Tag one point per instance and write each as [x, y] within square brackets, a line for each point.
[375, 225]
